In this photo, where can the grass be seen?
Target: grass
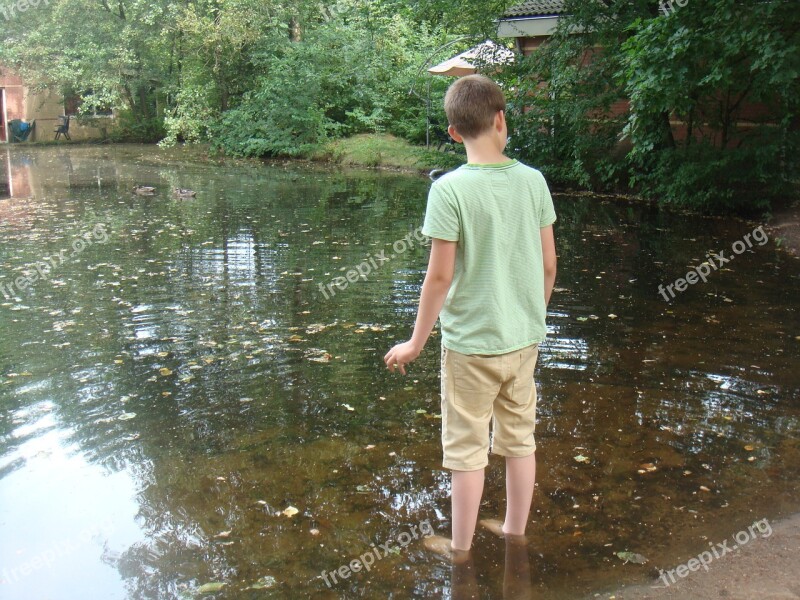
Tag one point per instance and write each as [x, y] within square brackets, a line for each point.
[387, 151]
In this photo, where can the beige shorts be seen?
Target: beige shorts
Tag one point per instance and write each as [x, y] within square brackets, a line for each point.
[479, 388]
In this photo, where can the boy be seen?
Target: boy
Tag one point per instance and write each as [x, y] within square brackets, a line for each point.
[491, 272]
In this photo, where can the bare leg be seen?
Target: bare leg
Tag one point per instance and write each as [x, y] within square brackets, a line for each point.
[520, 479]
[464, 584]
[465, 501]
[517, 577]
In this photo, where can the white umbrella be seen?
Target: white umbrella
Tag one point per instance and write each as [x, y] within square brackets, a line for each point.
[466, 63]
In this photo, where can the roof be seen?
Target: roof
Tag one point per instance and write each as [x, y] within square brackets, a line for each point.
[535, 8]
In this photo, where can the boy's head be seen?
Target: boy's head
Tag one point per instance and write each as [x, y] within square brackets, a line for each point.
[472, 103]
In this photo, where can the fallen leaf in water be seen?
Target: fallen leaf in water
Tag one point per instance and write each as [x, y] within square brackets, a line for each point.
[126, 416]
[647, 468]
[362, 489]
[163, 354]
[581, 458]
[420, 411]
[224, 534]
[704, 489]
[369, 446]
[348, 407]
[314, 531]
[210, 587]
[290, 511]
[749, 447]
[751, 458]
[612, 316]
[631, 557]
[265, 582]
[165, 371]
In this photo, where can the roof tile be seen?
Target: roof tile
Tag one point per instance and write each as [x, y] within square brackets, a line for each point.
[535, 8]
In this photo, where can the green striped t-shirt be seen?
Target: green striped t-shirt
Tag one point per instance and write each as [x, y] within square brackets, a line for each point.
[494, 211]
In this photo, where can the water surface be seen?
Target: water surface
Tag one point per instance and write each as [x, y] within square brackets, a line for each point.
[171, 388]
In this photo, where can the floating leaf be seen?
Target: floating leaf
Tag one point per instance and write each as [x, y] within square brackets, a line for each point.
[581, 458]
[631, 557]
[612, 316]
[211, 587]
[224, 534]
[265, 582]
[165, 371]
[348, 407]
[749, 447]
[704, 489]
[126, 416]
[290, 511]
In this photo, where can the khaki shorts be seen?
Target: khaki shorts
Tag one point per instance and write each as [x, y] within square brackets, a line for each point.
[479, 388]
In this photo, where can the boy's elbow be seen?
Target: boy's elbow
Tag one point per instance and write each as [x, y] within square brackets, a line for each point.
[442, 280]
[550, 266]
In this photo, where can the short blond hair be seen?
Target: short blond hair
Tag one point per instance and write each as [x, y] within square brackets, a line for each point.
[471, 104]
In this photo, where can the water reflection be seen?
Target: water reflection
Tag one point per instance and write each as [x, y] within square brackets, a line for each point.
[188, 381]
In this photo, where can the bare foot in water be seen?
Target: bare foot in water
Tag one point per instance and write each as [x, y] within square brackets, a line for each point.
[493, 525]
[442, 546]
[496, 527]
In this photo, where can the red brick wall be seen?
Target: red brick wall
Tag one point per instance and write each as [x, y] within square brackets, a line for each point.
[747, 116]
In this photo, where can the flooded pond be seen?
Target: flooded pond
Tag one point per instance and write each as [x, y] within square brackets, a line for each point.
[174, 385]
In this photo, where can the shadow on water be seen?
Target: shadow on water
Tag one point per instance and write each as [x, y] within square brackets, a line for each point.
[169, 392]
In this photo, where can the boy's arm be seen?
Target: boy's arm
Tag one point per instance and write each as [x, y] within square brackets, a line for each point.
[434, 291]
[549, 260]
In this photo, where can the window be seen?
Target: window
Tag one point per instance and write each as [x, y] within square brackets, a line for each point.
[73, 102]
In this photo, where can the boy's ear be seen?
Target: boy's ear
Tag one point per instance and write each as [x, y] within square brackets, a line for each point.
[499, 119]
[454, 134]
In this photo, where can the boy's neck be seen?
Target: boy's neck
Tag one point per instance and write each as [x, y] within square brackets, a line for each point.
[484, 151]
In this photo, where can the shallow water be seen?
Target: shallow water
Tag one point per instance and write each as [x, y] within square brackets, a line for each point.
[169, 389]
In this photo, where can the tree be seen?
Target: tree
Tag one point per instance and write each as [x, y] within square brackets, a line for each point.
[701, 64]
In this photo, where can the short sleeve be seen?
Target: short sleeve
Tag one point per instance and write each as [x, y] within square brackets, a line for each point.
[547, 212]
[441, 215]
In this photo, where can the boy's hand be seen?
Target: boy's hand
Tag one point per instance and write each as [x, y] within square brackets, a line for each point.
[401, 355]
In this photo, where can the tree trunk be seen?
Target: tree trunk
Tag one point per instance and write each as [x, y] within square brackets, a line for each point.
[295, 32]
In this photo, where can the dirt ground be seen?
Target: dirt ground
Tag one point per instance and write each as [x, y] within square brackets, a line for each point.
[766, 569]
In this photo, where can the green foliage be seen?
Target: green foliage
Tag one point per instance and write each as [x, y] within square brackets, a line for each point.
[702, 65]
[341, 79]
[129, 127]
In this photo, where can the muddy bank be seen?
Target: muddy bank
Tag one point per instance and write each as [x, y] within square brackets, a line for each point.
[766, 568]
